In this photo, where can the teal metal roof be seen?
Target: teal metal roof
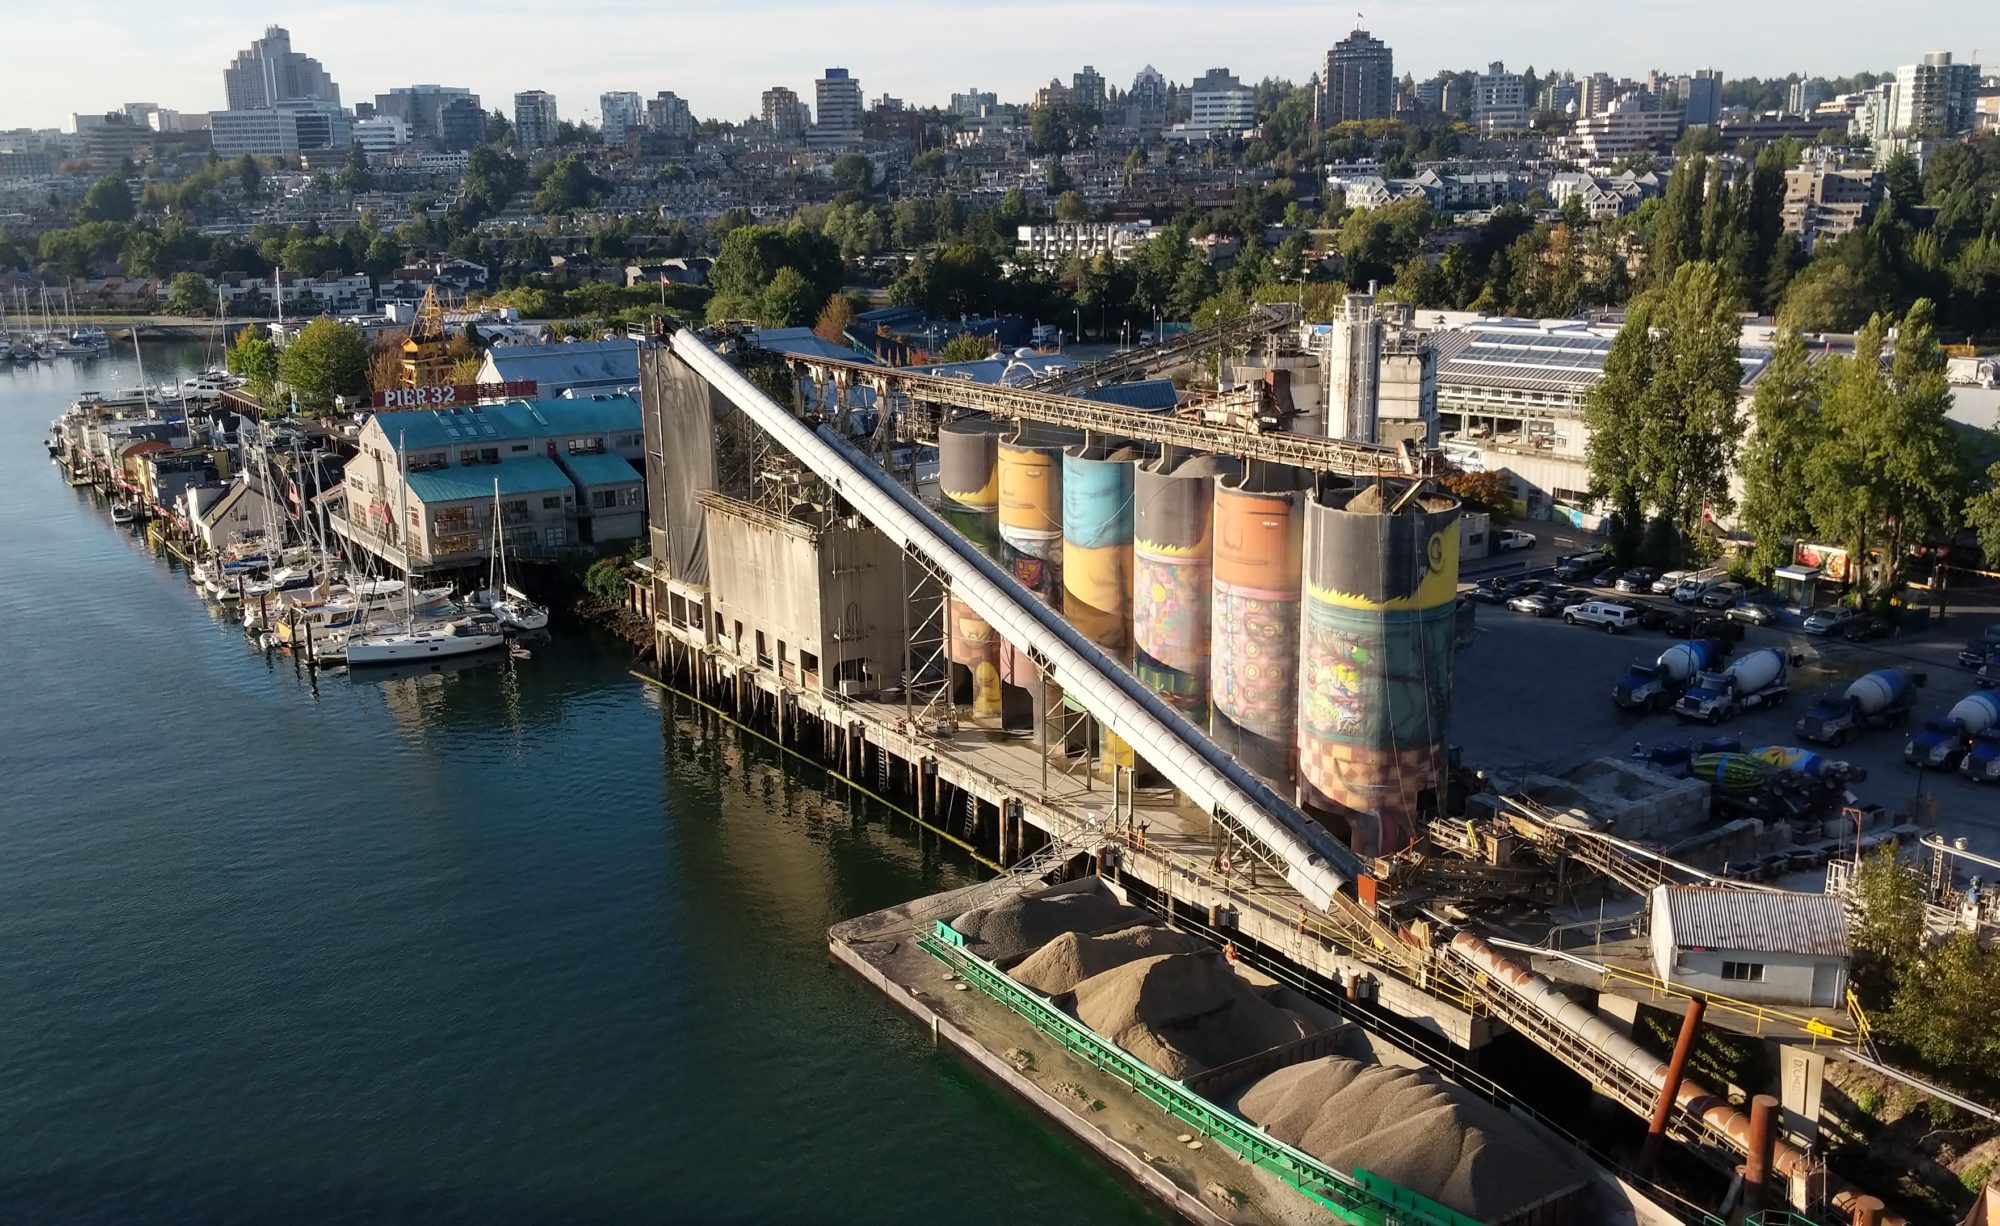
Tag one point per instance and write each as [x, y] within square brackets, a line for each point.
[524, 475]
[469, 425]
[606, 469]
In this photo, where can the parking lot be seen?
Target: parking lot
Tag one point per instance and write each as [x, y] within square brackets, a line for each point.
[1531, 693]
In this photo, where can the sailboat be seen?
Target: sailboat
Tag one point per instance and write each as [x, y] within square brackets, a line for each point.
[511, 607]
[458, 637]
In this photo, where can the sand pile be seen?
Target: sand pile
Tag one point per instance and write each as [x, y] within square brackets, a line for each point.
[1183, 1013]
[1413, 1128]
[1071, 958]
[1023, 924]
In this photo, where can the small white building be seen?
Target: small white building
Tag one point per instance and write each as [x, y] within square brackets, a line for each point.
[1769, 947]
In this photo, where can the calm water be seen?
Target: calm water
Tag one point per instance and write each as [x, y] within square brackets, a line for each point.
[515, 944]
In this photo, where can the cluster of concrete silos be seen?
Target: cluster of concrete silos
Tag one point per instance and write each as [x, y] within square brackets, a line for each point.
[1304, 620]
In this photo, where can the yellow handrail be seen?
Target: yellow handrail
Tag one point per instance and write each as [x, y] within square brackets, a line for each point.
[1760, 1014]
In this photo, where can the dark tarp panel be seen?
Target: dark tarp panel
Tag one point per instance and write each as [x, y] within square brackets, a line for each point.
[680, 439]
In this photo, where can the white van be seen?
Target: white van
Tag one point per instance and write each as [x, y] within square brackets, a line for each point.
[1615, 618]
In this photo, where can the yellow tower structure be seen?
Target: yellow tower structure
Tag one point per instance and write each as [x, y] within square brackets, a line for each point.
[426, 362]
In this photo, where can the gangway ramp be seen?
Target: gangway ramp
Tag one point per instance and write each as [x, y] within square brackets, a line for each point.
[1315, 863]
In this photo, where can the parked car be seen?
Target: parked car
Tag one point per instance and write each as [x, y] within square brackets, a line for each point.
[1753, 614]
[1487, 595]
[1826, 621]
[1867, 629]
[1615, 618]
[1665, 584]
[1724, 595]
[1975, 655]
[1606, 577]
[1638, 579]
[1512, 539]
[1525, 587]
[1580, 566]
[1537, 604]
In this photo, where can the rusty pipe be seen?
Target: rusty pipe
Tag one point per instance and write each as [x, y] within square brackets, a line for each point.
[1670, 1086]
[1763, 1136]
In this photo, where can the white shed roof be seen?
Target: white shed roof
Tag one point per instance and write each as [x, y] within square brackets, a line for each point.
[1778, 922]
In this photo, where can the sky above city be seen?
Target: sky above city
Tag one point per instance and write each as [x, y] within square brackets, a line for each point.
[91, 57]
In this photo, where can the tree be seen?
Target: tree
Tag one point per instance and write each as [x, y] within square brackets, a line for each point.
[1887, 932]
[1491, 491]
[751, 257]
[1947, 1009]
[107, 200]
[1826, 297]
[965, 347]
[1663, 420]
[851, 172]
[1982, 515]
[834, 318]
[255, 358]
[326, 359]
[1888, 469]
[789, 300]
[1784, 431]
[491, 178]
[1070, 207]
[354, 173]
[190, 294]
[250, 176]
[568, 185]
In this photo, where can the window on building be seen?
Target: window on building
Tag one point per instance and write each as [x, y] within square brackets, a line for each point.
[630, 496]
[1743, 972]
[603, 500]
[519, 449]
[587, 446]
[553, 502]
[763, 650]
[809, 662]
[558, 537]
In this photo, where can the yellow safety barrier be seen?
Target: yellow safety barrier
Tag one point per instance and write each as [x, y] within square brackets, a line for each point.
[1760, 1015]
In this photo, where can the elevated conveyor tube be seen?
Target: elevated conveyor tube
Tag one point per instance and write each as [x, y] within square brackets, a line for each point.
[1314, 862]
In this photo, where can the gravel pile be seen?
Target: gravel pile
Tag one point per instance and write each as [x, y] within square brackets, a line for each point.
[1021, 925]
[1071, 958]
[1413, 1128]
[1183, 1013]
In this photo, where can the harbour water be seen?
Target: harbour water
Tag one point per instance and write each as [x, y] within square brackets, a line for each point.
[517, 943]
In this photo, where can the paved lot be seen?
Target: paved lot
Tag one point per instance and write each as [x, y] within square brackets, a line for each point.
[1534, 693]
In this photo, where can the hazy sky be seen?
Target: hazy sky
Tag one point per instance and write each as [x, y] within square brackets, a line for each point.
[91, 56]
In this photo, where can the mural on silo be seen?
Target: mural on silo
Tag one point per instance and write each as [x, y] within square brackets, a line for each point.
[969, 479]
[1173, 583]
[1097, 550]
[1254, 629]
[975, 658]
[1031, 543]
[1376, 656]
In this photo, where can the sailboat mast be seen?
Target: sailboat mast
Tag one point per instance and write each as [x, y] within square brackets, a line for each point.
[403, 528]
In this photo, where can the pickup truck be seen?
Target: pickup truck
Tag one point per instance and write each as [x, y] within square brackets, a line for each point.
[1511, 539]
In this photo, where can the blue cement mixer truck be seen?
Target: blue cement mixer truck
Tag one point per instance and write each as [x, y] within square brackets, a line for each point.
[1880, 699]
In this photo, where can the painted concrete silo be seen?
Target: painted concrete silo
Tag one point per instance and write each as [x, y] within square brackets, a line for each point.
[1031, 505]
[1173, 577]
[1254, 631]
[1375, 658]
[969, 479]
[975, 664]
[1097, 546]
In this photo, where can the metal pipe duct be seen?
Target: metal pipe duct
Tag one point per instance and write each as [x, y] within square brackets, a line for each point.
[1581, 1020]
[1313, 862]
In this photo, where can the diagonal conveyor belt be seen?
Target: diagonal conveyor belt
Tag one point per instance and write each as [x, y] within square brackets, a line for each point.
[1314, 862]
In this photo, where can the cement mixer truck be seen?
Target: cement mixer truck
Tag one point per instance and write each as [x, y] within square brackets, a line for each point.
[1758, 679]
[1880, 699]
[1655, 686]
[1941, 743]
[1981, 762]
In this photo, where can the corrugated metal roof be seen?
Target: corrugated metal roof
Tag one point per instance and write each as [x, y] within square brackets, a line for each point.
[516, 419]
[607, 469]
[1711, 917]
[579, 364]
[1153, 395]
[1566, 359]
[524, 475]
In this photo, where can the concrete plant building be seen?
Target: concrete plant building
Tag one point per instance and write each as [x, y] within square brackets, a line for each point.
[1775, 947]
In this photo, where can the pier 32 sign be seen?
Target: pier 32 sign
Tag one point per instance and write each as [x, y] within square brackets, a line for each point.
[450, 395]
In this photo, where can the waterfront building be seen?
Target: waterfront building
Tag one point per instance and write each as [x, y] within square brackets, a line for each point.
[583, 368]
[535, 119]
[1500, 101]
[1358, 81]
[837, 107]
[621, 111]
[784, 114]
[565, 470]
[269, 72]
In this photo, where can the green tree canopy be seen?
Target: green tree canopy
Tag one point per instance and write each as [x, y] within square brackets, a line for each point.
[107, 200]
[1070, 207]
[790, 301]
[1664, 425]
[253, 356]
[851, 172]
[750, 259]
[326, 359]
[1784, 431]
[569, 185]
[355, 176]
[965, 347]
[190, 294]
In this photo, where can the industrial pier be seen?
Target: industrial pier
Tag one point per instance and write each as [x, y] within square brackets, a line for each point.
[1200, 654]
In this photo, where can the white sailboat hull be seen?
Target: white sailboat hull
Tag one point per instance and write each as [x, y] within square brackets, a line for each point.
[406, 646]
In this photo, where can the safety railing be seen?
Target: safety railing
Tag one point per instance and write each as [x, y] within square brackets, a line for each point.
[1864, 1031]
[1357, 1197]
[1759, 1016]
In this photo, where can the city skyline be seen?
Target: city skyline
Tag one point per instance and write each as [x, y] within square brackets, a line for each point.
[724, 77]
